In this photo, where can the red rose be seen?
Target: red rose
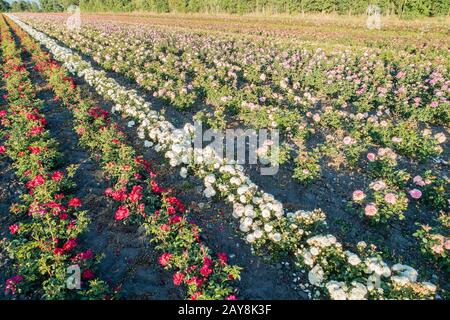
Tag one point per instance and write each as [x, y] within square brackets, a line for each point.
[108, 192]
[136, 194]
[36, 181]
[119, 195]
[57, 175]
[175, 202]
[171, 210]
[34, 150]
[2, 113]
[137, 176]
[88, 254]
[58, 251]
[196, 295]
[122, 213]
[165, 227]
[223, 258]
[207, 261]
[87, 274]
[70, 245]
[198, 282]
[164, 259]
[74, 202]
[63, 216]
[2, 149]
[141, 207]
[178, 278]
[31, 116]
[156, 188]
[14, 229]
[174, 219]
[205, 270]
[36, 130]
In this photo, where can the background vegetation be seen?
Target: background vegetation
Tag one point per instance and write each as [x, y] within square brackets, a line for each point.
[403, 8]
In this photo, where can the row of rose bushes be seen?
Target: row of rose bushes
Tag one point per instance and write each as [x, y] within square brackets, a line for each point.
[271, 86]
[44, 241]
[137, 195]
[333, 271]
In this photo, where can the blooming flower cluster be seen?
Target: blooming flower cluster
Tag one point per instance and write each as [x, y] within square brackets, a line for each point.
[435, 241]
[375, 278]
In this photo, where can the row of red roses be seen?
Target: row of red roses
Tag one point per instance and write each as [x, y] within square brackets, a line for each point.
[47, 221]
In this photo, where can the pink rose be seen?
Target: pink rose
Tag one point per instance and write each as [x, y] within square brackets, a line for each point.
[415, 194]
[347, 140]
[358, 195]
[390, 198]
[419, 181]
[447, 244]
[370, 210]
[437, 249]
[371, 156]
[378, 185]
[382, 152]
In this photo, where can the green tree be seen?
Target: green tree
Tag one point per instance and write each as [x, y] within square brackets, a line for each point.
[404, 8]
[4, 6]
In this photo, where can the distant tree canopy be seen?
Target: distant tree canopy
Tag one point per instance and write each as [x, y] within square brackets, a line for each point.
[407, 8]
[19, 5]
[4, 6]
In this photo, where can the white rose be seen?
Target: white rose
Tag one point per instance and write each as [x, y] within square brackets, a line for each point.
[315, 275]
[358, 292]
[148, 144]
[265, 213]
[183, 172]
[276, 237]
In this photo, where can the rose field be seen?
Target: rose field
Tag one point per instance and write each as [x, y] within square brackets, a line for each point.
[101, 175]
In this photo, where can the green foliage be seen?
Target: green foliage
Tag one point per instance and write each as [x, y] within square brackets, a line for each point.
[17, 6]
[4, 6]
[404, 8]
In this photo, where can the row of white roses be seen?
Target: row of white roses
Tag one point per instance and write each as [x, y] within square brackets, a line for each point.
[262, 218]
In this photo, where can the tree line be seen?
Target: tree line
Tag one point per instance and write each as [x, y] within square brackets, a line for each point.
[404, 8]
